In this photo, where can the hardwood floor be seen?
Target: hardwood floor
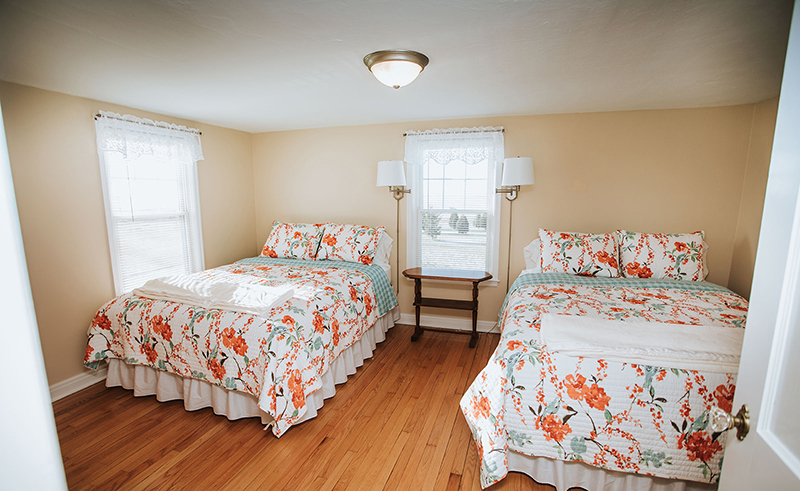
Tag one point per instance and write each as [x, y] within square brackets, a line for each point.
[395, 425]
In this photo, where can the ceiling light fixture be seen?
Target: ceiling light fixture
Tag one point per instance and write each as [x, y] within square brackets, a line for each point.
[396, 68]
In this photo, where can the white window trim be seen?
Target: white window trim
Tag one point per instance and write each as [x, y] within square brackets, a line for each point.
[493, 246]
[111, 219]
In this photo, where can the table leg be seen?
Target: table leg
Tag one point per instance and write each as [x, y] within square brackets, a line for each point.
[417, 299]
[474, 339]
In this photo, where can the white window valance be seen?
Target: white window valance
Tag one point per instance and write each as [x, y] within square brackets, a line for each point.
[447, 145]
[134, 137]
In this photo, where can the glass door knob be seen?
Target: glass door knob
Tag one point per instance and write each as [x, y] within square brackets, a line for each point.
[722, 421]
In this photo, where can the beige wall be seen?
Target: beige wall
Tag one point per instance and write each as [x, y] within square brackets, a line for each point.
[54, 164]
[652, 171]
[753, 190]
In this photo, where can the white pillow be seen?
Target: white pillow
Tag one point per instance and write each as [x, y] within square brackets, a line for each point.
[384, 250]
[533, 256]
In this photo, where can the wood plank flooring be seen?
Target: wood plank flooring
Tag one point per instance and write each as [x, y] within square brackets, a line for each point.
[395, 425]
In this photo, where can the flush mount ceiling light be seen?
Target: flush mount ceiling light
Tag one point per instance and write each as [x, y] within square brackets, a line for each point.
[396, 68]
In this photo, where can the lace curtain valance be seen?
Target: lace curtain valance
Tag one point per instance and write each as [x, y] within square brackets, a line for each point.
[134, 137]
[469, 145]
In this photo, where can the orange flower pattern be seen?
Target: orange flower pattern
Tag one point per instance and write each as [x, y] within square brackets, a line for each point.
[700, 446]
[329, 240]
[619, 416]
[592, 394]
[230, 339]
[636, 270]
[161, 327]
[279, 359]
[293, 240]
[354, 243]
[579, 254]
[724, 397]
[604, 257]
[670, 256]
[553, 428]
[101, 321]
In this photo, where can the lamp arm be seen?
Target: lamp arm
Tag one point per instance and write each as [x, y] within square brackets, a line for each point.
[398, 192]
[509, 191]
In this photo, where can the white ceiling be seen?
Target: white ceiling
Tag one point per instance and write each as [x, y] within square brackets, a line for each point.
[288, 64]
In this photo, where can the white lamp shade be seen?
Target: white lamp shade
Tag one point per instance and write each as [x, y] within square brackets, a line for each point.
[391, 173]
[517, 171]
[396, 73]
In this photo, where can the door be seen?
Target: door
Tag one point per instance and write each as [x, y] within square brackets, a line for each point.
[769, 375]
[29, 454]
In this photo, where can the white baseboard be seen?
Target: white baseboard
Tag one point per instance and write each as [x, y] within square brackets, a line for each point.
[447, 322]
[76, 383]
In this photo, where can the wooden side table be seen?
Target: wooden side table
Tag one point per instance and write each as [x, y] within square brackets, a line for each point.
[475, 277]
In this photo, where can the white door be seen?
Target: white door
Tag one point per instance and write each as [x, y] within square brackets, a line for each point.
[29, 454]
[769, 375]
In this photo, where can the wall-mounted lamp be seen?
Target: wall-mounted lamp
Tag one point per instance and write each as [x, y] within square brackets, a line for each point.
[392, 174]
[517, 172]
[396, 68]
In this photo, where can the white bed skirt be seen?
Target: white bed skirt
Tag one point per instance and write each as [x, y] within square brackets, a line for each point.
[198, 394]
[565, 475]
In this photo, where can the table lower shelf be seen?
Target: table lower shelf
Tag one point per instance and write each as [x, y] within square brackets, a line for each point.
[445, 303]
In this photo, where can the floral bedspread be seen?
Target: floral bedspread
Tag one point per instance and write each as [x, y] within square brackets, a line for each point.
[279, 359]
[619, 416]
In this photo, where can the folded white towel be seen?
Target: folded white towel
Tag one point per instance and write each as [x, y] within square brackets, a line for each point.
[710, 348]
[210, 294]
[180, 288]
[251, 298]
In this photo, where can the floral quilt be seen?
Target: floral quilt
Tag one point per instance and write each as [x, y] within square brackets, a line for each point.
[279, 359]
[620, 416]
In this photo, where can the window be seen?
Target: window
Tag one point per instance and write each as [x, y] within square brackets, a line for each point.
[150, 191]
[453, 210]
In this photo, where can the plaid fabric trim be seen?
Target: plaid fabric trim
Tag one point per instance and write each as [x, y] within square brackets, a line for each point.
[531, 279]
[384, 293]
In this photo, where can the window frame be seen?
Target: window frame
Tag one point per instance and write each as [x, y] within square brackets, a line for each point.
[193, 236]
[415, 179]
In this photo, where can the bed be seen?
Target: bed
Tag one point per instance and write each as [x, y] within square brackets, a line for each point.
[279, 363]
[599, 422]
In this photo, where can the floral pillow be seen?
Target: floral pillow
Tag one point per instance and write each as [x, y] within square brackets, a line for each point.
[293, 240]
[354, 243]
[579, 254]
[670, 256]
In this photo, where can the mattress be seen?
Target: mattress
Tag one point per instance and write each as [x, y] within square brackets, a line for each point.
[621, 417]
[278, 359]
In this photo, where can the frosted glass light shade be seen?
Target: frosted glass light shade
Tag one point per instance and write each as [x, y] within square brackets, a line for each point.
[517, 171]
[396, 68]
[391, 173]
[396, 73]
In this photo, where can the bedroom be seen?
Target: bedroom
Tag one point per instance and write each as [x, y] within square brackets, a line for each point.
[695, 167]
